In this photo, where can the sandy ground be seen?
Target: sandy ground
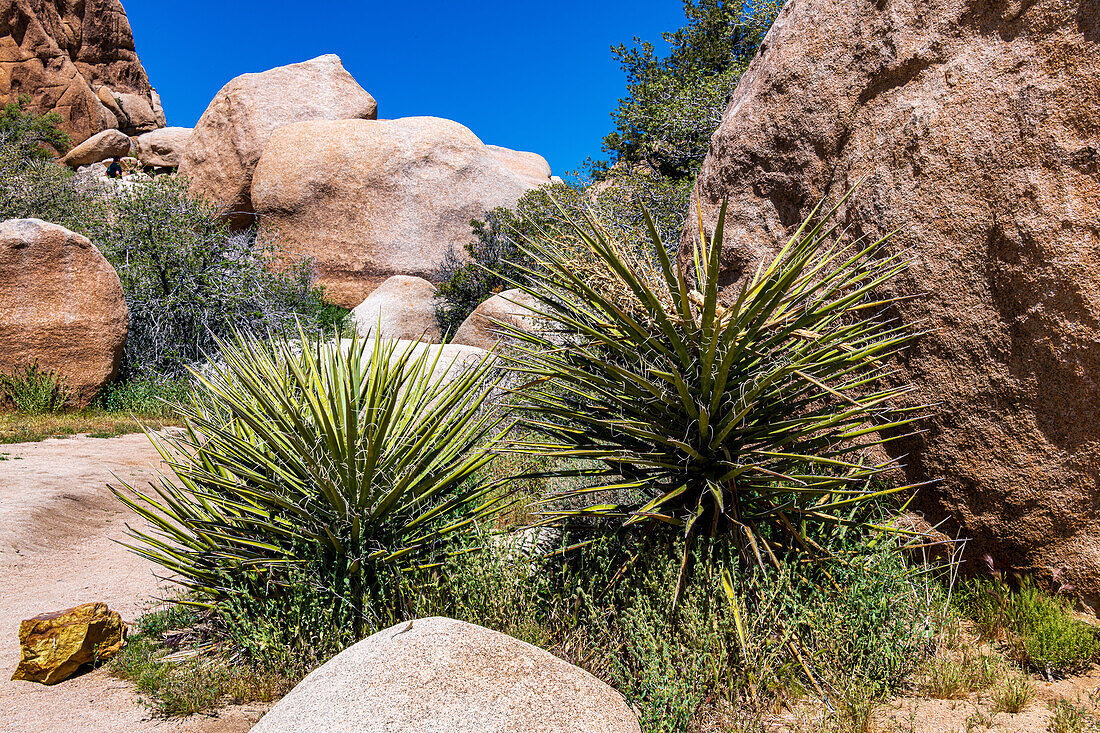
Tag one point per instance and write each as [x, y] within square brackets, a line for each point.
[58, 526]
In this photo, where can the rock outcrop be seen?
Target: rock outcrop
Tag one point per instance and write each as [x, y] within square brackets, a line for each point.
[976, 132]
[55, 645]
[163, 148]
[447, 676]
[403, 307]
[99, 147]
[231, 134]
[531, 167]
[76, 58]
[372, 199]
[61, 306]
[489, 323]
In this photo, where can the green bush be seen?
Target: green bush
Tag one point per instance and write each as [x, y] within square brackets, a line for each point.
[1038, 627]
[146, 395]
[33, 390]
[705, 419]
[32, 134]
[339, 467]
[189, 280]
[34, 187]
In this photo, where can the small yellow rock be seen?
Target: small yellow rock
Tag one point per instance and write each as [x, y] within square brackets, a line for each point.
[54, 645]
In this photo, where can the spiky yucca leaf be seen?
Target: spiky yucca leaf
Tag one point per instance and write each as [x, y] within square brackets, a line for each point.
[362, 457]
[739, 415]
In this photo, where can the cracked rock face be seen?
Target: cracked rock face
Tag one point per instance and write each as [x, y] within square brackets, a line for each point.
[977, 127]
[76, 58]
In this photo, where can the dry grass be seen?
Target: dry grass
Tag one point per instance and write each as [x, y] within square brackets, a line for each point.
[22, 428]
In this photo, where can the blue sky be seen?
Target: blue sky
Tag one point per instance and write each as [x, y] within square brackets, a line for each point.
[530, 76]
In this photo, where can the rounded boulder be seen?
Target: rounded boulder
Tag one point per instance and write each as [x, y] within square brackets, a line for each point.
[403, 307]
[438, 675]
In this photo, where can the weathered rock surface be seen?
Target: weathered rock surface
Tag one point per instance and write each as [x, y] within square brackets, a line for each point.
[373, 199]
[99, 147]
[488, 324]
[531, 167]
[163, 148]
[403, 307]
[231, 134]
[61, 305]
[54, 645]
[977, 128]
[450, 361]
[69, 56]
[445, 676]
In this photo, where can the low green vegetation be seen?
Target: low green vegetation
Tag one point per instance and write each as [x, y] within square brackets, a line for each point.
[1037, 627]
[33, 391]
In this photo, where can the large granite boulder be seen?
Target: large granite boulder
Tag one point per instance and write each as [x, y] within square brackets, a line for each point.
[99, 147]
[231, 134]
[976, 131]
[490, 323]
[61, 306]
[163, 148]
[372, 199]
[403, 307]
[439, 675]
[55, 645]
[69, 56]
[531, 167]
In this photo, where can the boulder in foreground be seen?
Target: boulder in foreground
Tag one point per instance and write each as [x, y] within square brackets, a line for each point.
[55, 645]
[369, 199]
[445, 676]
[976, 132]
[233, 131]
[403, 307]
[61, 305]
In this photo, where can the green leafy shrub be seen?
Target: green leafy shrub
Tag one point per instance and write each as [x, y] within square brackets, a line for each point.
[189, 280]
[32, 134]
[339, 467]
[712, 419]
[34, 187]
[1038, 627]
[33, 390]
[147, 395]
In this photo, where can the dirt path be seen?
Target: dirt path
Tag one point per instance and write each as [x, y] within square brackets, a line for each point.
[58, 526]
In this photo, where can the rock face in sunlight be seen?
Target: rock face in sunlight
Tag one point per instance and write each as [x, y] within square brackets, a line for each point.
[372, 199]
[403, 307]
[97, 148]
[976, 132]
[61, 306]
[76, 58]
[163, 148]
[444, 675]
[226, 144]
[487, 325]
[55, 645]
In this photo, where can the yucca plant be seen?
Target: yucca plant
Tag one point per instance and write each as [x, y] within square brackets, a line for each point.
[740, 413]
[360, 460]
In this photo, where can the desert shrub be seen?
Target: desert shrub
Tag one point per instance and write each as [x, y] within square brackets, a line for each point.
[150, 394]
[33, 135]
[33, 390]
[189, 280]
[706, 419]
[1013, 693]
[1037, 626]
[36, 187]
[307, 464]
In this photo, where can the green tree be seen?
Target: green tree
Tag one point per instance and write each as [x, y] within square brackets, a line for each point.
[674, 102]
[32, 133]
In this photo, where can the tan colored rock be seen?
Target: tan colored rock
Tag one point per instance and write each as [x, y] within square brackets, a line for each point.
[439, 675]
[487, 325]
[231, 134]
[55, 645]
[450, 361]
[372, 199]
[977, 129]
[403, 307]
[163, 148]
[99, 147]
[138, 115]
[61, 305]
[531, 167]
[61, 52]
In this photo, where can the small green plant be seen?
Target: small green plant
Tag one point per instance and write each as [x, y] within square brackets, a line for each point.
[36, 136]
[147, 395]
[1069, 718]
[950, 676]
[33, 390]
[1013, 693]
